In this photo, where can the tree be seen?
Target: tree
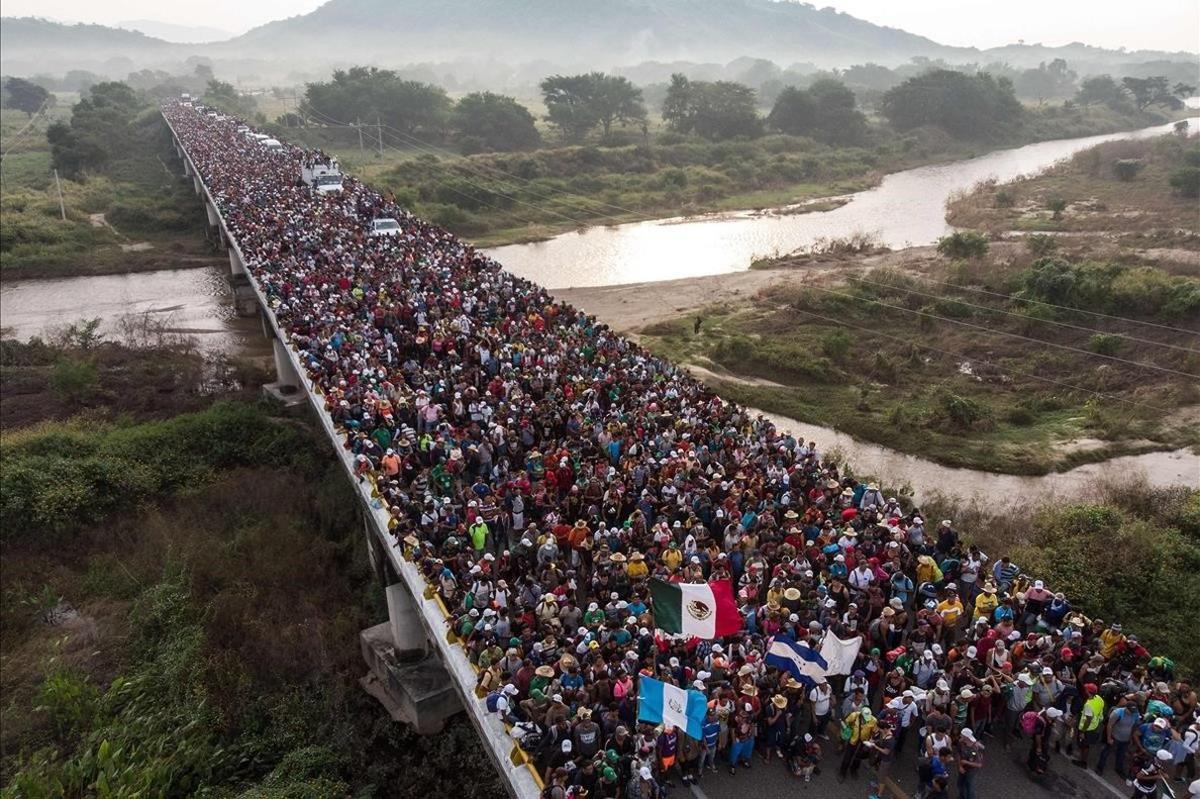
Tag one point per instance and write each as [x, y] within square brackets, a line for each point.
[838, 118]
[794, 112]
[1187, 181]
[963, 244]
[1157, 90]
[1047, 81]
[25, 95]
[1102, 90]
[715, 110]
[968, 106]
[101, 130]
[494, 121]
[578, 103]
[369, 94]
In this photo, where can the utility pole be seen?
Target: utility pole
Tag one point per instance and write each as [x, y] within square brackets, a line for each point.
[358, 124]
[379, 133]
[62, 208]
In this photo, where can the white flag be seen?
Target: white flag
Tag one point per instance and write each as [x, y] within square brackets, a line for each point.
[839, 653]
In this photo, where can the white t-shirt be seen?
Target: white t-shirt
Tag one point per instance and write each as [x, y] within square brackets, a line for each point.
[821, 701]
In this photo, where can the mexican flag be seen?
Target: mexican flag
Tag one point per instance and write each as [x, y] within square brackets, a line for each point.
[703, 610]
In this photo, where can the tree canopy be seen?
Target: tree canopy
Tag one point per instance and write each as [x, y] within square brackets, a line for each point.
[487, 121]
[968, 106]
[369, 93]
[826, 111]
[102, 129]
[1157, 90]
[715, 110]
[577, 104]
[1102, 90]
[24, 95]
[1053, 80]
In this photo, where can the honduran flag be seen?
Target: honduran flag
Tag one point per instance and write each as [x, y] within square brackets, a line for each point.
[797, 659]
[662, 703]
[702, 610]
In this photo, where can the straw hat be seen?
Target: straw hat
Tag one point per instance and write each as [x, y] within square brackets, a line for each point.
[637, 556]
[792, 594]
[750, 690]
[779, 701]
[617, 557]
[544, 671]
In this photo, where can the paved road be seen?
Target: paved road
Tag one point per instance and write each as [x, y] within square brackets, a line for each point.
[1004, 776]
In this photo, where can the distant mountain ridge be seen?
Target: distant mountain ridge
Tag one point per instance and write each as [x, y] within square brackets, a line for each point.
[179, 34]
[564, 34]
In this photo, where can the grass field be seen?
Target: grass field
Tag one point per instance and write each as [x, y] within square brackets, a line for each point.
[139, 215]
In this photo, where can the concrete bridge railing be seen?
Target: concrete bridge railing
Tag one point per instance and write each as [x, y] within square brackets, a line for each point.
[418, 622]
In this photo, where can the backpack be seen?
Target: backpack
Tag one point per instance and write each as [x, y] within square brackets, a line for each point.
[1029, 720]
[492, 699]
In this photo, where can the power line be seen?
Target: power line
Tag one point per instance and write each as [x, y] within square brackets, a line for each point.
[1062, 307]
[1043, 342]
[1009, 370]
[16, 137]
[1020, 316]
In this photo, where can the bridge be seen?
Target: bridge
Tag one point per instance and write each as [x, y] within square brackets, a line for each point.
[418, 671]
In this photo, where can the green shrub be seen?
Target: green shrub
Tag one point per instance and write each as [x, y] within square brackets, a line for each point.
[1126, 169]
[1056, 206]
[836, 345]
[1186, 181]
[74, 380]
[955, 411]
[1106, 344]
[1005, 199]
[1041, 244]
[968, 244]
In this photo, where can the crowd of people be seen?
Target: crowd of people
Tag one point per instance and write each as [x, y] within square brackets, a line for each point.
[541, 469]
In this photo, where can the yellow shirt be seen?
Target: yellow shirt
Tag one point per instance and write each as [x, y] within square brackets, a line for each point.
[860, 727]
[637, 569]
[950, 609]
[985, 604]
[672, 558]
[1109, 641]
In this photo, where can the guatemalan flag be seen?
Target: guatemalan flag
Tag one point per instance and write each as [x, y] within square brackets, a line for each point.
[701, 610]
[662, 703]
[799, 660]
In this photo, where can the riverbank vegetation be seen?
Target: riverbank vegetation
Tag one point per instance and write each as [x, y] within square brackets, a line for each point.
[126, 207]
[609, 155]
[995, 362]
[167, 631]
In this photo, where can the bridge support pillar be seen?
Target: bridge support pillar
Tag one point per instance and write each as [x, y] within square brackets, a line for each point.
[196, 183]
[236, 267]
[287, 387]
[187, 167]
[212, 216]
[406, 679]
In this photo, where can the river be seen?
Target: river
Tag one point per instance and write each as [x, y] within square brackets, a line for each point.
[906, 208]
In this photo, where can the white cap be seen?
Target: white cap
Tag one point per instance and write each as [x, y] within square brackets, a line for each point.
[1053, 712]
[644, 772]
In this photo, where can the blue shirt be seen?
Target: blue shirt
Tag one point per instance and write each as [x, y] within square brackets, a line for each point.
[712, 729]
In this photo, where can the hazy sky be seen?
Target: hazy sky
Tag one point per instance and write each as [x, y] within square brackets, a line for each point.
[1153, 24]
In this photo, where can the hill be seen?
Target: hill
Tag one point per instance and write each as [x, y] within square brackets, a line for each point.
[186, 34]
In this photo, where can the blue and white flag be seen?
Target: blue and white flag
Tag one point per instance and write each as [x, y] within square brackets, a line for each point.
[799, 660]
[663, 703]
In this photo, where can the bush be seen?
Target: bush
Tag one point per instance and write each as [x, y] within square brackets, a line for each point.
[1056, 206]
[1041, 244]
[836, 345]
[1186, 181]
[1106, 344]
[1126, 169]
[963, 244]
[1005, 199]
[74, 380]
[958, 412]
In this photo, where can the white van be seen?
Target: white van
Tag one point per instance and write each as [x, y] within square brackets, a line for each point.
[385, 226]
[272, 144]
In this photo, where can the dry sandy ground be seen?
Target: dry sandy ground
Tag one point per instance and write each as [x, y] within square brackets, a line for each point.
[636, 305]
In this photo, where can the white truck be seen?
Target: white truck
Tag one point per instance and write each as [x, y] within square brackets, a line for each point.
[322, 178]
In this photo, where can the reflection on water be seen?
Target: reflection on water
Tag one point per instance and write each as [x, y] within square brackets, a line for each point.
[193, 301]
[907, 208]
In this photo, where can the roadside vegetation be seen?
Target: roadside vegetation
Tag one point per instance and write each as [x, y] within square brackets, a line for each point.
[984, 356]
[126, 208]
[165, 630]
